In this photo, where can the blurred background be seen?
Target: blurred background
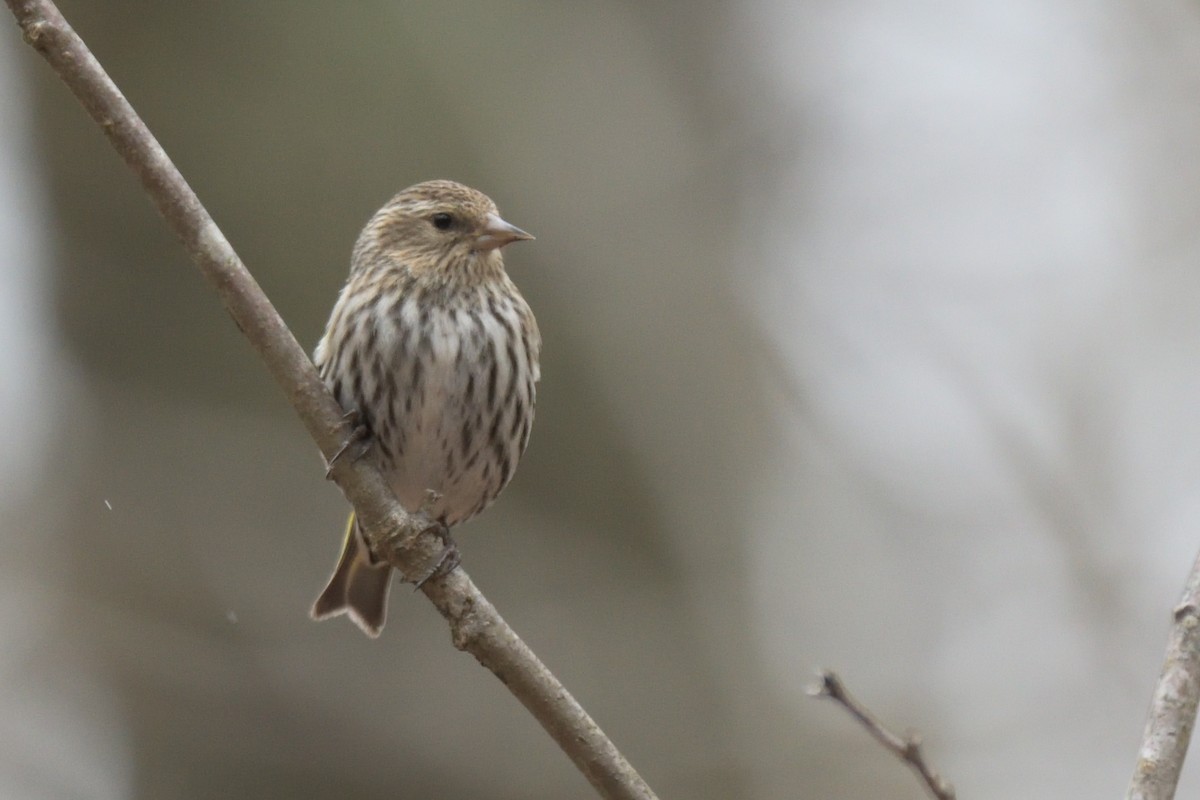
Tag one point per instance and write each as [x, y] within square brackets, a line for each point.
[871, 343]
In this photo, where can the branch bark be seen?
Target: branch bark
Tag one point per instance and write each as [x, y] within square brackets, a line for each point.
[907, 748]
[406, 540]
[1173, 709]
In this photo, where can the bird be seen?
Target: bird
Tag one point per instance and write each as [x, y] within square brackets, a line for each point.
[433, 352]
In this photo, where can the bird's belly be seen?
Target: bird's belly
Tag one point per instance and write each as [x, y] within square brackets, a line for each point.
[434, 459]
[463, 432]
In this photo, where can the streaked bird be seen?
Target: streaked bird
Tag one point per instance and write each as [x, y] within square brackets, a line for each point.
[435, 352]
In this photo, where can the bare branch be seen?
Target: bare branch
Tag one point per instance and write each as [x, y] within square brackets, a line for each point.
[404, 539]
[1173, 709]
[906, 748]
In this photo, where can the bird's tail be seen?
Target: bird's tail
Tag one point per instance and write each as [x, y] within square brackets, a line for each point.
[358, 586]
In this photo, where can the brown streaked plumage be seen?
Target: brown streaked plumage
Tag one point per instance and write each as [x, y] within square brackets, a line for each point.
[433, 346]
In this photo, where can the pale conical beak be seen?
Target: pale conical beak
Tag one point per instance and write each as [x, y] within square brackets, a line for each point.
[498, 233]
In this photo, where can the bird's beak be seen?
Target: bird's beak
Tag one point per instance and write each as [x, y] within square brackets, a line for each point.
[498, 233]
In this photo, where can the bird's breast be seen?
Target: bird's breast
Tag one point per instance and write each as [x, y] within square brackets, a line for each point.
[461, 406]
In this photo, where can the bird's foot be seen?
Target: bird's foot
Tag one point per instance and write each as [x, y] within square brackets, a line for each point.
[357, 443]
[444, 562]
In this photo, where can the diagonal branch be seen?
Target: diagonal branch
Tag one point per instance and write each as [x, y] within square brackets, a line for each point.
[1173, 709]
[906, 748]
[406, 540]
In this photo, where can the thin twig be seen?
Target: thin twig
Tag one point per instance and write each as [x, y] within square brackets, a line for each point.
[906, 748]
[1173, 709]
[404, 539]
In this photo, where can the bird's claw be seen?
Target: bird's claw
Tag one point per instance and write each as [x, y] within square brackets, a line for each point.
[357, 443]
[445, 562]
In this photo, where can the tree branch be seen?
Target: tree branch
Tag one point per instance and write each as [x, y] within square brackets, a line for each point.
[1173, 709]
[405, 540]
[906, 748]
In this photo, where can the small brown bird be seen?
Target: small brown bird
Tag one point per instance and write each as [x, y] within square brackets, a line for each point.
[432, 347]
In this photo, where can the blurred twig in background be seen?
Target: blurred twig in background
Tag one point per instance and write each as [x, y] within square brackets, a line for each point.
[1164, 742]
[405, 540]
[1173, 710]
[907, 748]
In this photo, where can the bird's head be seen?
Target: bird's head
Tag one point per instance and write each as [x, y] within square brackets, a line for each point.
[437, 228]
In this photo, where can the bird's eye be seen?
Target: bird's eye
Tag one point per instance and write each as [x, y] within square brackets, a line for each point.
[442, 221]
